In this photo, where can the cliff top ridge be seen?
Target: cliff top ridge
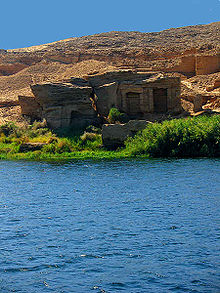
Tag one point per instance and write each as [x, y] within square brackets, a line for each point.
[202, 37]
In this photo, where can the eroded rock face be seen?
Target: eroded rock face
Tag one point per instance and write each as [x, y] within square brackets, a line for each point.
[106, 97]
[155, 50]
[114, 135]
[136, 94]
[207, 64]
[30, 107]
[216, 85]
[65, 105]
[188, 50]
[79, 102]
[198, 97]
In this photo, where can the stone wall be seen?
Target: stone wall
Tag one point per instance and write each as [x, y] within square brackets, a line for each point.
[207, 64]
[195, 65]
[186, 66]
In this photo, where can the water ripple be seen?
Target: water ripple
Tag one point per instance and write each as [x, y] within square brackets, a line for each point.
[133, 226]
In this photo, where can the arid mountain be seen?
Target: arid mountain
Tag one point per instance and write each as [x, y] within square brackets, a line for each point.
[189, 51]
[201, 38]
[119, 48]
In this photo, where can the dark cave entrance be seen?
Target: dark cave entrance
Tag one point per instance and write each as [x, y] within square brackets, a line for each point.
[160, 100]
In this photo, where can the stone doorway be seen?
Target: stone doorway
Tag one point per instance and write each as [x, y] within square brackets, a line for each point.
[75, 118]
[133, 103]
[160, 100]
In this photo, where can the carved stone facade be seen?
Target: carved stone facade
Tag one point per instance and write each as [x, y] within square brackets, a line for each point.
[80, 101]
[156, 96]
[137, 94]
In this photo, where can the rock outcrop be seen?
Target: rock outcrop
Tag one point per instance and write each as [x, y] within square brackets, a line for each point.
[187, 52]
[172, 49]
[136, 94]
[216, 85]
[202, 92]
[114, 135]
[31, 146]
[65, 104]
[30, 107]
[80, 101]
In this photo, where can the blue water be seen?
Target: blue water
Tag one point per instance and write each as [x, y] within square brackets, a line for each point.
[122, 226]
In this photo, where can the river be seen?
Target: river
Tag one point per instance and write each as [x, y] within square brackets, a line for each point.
[121, 226]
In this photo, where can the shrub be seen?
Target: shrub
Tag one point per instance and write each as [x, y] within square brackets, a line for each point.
[9, 129]
[39, 124]
[90, 141]
[93, 129]
[116, 116]
[192, 137]
[63, 146]
[124, 118]
[52, 139]
[49, 148]
[89, 136]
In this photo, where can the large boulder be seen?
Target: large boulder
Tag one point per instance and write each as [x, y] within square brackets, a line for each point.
[65, 104]
[214, 86]
[114, 135]
[31, 147]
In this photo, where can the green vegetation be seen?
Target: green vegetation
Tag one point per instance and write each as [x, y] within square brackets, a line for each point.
[116, 116]
[190, 137]
[55, 146]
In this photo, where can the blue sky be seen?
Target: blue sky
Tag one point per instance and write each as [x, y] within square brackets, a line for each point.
[25, 22]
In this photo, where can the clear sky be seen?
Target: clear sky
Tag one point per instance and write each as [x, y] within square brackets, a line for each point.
[27, 22]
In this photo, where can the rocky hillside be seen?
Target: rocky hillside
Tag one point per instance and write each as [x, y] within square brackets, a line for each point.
[119, 48]
[189, 51]
[199, 38]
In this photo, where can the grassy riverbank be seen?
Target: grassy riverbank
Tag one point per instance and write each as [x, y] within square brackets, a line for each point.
[62, 145]
[191, 137]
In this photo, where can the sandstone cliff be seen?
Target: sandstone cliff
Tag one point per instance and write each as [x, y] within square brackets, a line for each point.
[158, 49]
[191, 51]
